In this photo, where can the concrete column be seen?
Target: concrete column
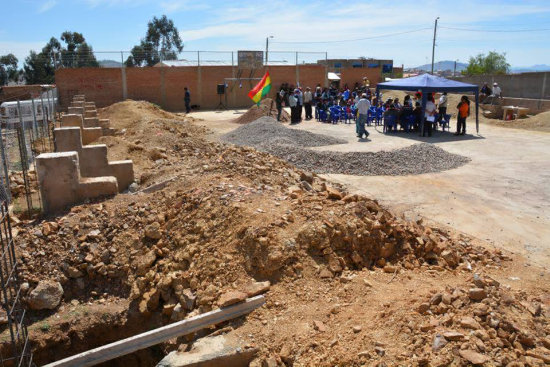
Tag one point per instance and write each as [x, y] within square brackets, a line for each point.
[199, 87]
[124, 84]
[163, 87]
[543, 91]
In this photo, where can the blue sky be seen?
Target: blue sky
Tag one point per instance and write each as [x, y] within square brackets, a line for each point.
[112, 25]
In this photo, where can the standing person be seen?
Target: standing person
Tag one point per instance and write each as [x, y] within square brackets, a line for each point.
[293, 103]
[187, 100]
[300, 105]
[362, 110]
[279, 103]
[429, 115]
[308, 99]
[442, 107]
[463, 112]
[497, 92]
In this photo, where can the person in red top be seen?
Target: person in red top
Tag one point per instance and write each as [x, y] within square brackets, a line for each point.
[463, 112]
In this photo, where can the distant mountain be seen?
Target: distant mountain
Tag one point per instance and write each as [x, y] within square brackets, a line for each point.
[443, 65]
[527, 69]
[109, 64]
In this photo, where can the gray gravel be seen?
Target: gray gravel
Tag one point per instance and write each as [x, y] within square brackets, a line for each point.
[270, 136]
[267, 128]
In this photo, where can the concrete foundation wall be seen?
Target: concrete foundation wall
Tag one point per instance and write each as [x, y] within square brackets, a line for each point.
[93, 158]
[61, 185]
[164, 85]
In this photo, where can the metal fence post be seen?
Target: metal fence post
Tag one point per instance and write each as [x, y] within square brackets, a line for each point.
[24, 157]
[45, 121]
[5, 164]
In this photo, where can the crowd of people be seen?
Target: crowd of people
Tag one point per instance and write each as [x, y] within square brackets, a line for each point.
[362, 106]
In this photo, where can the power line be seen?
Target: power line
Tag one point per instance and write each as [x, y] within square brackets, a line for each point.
[356, 39]
[497, 30]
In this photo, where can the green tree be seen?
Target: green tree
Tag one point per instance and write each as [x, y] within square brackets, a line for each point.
[8, 68]
[492, 63]
[162, 42]
[39, 69]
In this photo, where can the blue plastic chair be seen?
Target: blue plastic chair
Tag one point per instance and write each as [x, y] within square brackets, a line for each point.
[371, 115]
[379, 115]
[445, 121]
[390, 121]
[409, 122]
[335, 114]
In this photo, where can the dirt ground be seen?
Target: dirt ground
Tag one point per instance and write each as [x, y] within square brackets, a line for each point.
[501, 196]
[352, 283]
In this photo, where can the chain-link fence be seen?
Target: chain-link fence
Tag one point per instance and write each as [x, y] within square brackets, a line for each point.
[25, 132]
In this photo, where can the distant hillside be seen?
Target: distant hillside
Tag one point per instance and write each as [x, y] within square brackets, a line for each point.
[527, 69]
[443, 65]
[109, 64]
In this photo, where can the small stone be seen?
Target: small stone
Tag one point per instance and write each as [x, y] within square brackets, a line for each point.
[380, 351]
[423, 308]
[453, 335]
[231, 297]
[188, 298]
[325, 273]
[438, 342]
[74, 273]
[319, 326]
[152, 231]
[477, 294]
[436, 299]
[47, 295]
[253, 289]
[390, 269]
[473, 357]
[469, 323]
[307, 177]
[357, 328]
[333, 194]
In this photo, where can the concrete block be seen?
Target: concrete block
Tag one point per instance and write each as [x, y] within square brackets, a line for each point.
[90, 113]
[108, 131]
[124, 173]
[214, 351]
[76, 110]
[93, 161]
[77, 104]
[93, 187]
[71, 120]
[58, 180]
[67, 139]
[91, 122]
[91, 134]
[89, 104]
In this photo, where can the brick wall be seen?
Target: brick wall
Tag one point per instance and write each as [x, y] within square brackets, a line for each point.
[164, 85]
[21, 92]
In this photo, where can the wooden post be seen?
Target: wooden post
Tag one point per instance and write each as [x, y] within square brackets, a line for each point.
[153, 337]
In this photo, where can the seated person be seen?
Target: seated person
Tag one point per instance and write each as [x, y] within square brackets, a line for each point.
[405, 112]
[396, 104]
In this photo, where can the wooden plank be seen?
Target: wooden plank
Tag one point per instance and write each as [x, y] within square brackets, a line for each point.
[150, 338]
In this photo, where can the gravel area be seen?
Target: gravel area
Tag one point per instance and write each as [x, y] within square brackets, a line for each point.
[268, 135]
[265, 128]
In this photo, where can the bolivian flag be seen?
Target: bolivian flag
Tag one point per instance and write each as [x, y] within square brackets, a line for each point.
[261, 89]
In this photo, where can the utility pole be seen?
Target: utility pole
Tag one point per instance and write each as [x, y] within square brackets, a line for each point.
[454, 72]
[267, 47]
[433, 47]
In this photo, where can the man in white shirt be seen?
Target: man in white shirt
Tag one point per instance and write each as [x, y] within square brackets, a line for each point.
[429, 115]
[497, 92]
[362, 110]
[308, 98]
[442, 107]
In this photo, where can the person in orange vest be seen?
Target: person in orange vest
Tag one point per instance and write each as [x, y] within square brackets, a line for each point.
[463, 112]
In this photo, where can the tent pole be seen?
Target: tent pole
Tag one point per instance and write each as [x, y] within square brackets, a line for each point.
[477, 110]
[423, 116]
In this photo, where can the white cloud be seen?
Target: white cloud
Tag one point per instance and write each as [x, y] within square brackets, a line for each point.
[47, 5]
[247, 24]
[173, 6]
[20, 49]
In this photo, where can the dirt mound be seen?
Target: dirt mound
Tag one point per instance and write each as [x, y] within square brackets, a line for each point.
[149, 136]
[232, 216]
[267, 107]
